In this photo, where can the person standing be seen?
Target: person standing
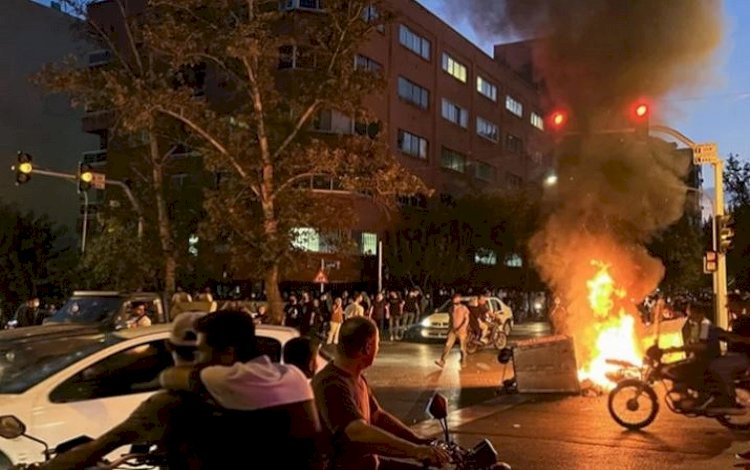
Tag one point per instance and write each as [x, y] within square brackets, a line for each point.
[293, 313]
[355, 308]
[411, 309]
[459, 330]
[395, 310]
[337, 318]
[379, 312]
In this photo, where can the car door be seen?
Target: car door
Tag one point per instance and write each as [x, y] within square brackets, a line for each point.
[101, 394]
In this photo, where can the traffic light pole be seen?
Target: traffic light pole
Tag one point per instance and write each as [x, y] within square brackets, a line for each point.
[136, 207]
[708, 154]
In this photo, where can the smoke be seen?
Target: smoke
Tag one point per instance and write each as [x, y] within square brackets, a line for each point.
[615, 191]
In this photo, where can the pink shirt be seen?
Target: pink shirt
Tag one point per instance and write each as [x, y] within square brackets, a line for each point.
[460, 318]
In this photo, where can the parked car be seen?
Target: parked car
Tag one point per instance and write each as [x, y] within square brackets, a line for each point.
[107, 310]
[437, 325]
[68, 380]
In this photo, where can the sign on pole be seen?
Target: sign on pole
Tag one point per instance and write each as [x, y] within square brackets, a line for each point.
[710, 262]
[705, 153]
[98, 180]
[321, 278]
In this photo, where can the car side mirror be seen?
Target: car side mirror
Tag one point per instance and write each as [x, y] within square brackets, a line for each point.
[438, 406]
[11, 427]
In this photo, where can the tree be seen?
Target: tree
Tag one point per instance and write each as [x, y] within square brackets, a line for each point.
[125, 86]
[277, 73]
[736, 174]
[680, 247]
[115, 259]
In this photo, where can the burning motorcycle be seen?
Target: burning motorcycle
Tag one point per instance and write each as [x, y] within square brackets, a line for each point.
[633, 403]
[482, 457]
[140, 456]
[494, 338]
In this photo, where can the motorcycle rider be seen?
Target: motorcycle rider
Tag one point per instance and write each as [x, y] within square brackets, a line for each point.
[358, 429]
[146, 423]
[724, 369]
[235, 386]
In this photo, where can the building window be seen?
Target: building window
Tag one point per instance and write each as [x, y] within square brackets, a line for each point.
[365, 63]
[488, 130]
[513, 143]
[296, 57]
[485, 257]
[455, 113]
[484, 171]
[514, 181]
[180, 180]
[302, 4]
[513, 106]
[454, 68]
[414, 42]
[193, 241]
[453, 160]
[370, 14]
[369, 244]
[537, 121]
[513, 260]
[412, 144]
[306, 239]
[413, 93]
[335, 122]
[486, 89]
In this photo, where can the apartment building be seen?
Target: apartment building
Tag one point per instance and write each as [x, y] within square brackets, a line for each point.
[458, 118]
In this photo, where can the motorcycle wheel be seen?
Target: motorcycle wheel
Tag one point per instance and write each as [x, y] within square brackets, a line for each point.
[506, 328]
[471, 347]
[500, 340]
[739, 423]
[629, 397]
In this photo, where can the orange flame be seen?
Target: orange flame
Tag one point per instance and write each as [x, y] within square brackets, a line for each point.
[614, 334]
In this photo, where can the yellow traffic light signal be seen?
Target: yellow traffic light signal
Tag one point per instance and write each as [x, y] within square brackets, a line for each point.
[23, 168]
[85, 176]
[725, 232]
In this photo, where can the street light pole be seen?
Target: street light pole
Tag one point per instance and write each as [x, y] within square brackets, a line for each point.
[708, 154]
[85, 225]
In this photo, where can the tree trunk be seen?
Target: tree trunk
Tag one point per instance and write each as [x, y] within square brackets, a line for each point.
[273, 295]
[166, 238]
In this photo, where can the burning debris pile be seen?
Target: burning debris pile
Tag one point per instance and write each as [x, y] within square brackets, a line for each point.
[615, 191]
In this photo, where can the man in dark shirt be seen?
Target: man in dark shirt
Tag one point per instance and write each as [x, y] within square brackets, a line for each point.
[358, 428]
[293, 313]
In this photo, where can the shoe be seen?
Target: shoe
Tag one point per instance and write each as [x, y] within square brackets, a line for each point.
[440, 363]
[720, 406]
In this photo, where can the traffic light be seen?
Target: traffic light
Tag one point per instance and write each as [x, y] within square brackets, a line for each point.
[85, 176]
[724, 232]
[640, 116]
[23, 168]
[558, 120]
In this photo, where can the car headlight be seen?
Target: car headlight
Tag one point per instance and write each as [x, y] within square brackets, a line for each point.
[426, 323]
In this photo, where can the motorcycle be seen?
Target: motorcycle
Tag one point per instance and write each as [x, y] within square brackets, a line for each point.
[634, 394]
[140, 455]
[495, 338]
[481, 457]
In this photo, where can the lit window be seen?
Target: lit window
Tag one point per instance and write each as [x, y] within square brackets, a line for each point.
[413, 93]
[369, 243]
[484, 171]
[454, 68]
[486, 88]
[412, 144]
[193, 244]
[414, 42]
[301, 4]
[455, 113]
[487, 129]
[296, 57]
[513, 106]
[513, 261]
[486, 257]
[335, 122]
[537, 121]
[306, 239]
[453, 160]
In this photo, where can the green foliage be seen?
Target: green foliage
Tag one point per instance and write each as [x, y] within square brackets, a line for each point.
[737, 187]
[36, 258]
[681, 247]
[116, 260]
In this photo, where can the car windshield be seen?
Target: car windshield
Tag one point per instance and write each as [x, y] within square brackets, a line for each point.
[25, 363]
[87, 310]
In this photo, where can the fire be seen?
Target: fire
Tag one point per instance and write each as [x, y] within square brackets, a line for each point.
[613, 335]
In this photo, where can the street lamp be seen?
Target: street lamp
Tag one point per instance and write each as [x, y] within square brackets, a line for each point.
[550, 180]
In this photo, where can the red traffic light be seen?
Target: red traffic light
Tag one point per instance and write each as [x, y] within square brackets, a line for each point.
[558, 119]
[641, 110]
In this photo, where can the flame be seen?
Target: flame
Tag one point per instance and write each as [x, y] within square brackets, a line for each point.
[613, 335]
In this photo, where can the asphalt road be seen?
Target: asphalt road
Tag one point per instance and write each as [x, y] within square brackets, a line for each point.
[404, 375]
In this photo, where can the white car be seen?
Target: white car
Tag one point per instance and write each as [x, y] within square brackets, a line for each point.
[63, 381]
[437, 325]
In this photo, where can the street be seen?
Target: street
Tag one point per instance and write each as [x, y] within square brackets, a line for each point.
[539, 431]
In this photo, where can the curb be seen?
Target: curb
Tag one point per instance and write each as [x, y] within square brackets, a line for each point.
[462, 416]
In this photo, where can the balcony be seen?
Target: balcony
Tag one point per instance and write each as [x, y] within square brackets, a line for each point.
[94, 158]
